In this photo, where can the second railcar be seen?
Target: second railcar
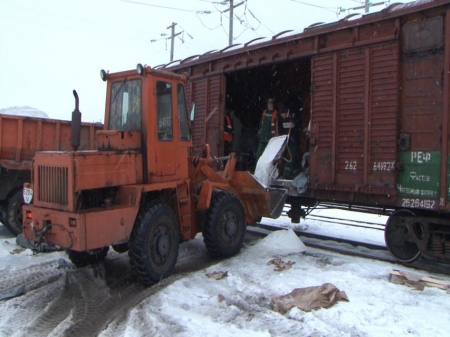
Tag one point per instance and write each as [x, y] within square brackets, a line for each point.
[375, 98]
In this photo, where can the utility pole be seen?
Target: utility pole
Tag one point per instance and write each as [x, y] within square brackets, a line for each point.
[366, 6]
[230, 35]
[172, 38]
[231, 9]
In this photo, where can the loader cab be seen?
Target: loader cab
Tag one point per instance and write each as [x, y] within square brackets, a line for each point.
[146, 111]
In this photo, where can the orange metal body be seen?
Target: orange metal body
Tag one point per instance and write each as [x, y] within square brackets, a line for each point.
[21, 137]
[258, 201]
[130, 163]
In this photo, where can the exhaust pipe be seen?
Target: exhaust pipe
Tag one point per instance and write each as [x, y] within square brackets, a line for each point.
[75, 126]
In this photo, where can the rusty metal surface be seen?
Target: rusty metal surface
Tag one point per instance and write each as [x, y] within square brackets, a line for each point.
[445, 181]
[322, 120]
[112, 140]
[320, 38]
[92, 229]
[367, 92]
[56, 183]
[198, 96]
[216, 104]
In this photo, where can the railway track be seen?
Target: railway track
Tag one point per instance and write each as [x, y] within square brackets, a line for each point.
[352, 248]
[347, 222]
[336, 221]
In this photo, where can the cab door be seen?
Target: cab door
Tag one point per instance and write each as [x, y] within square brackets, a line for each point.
[164, 162]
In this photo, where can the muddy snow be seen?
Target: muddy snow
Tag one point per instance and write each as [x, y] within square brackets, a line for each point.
[105, 301]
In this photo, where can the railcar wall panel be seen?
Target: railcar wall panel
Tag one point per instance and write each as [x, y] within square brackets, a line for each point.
[423, 101]
[350, 117]
[360, 148]
[422, 180]
[187, 94]
[339, 37]
[198, 96]
[422, 122]
[321, 119]
[383, 115]
[214, 123]
[206, 93]
[377, 29]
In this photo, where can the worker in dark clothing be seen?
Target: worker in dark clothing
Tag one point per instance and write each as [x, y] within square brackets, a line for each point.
[267, 127]
[227, 132]
[288, 124]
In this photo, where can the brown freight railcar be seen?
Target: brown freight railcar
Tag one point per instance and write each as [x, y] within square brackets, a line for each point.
[375, 94]
[20, 138]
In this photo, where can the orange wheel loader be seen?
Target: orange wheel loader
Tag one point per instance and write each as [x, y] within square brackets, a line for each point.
[141, 190]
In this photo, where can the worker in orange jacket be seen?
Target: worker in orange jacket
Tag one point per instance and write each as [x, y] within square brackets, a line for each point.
[267, 127]
[227, 132]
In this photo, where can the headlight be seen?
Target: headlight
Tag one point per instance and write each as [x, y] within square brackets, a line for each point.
[140, 69]
[27, 195]
[103, 75]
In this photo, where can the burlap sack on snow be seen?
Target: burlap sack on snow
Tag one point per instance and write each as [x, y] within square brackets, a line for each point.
[309, 298]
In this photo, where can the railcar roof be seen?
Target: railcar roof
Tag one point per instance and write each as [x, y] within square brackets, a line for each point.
[392, 11]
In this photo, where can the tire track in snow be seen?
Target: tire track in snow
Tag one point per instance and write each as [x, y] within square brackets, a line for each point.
[88, 301]
[31, 277]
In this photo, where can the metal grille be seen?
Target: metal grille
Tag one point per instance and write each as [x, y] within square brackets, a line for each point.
[53, 184]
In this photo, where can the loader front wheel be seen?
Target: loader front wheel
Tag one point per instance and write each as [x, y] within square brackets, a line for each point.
[13, 219]
[154, 243]
[82, 259]
[225, 224]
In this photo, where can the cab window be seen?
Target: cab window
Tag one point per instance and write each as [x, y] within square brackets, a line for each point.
[125, 106]
[164, 110]
[185, 133]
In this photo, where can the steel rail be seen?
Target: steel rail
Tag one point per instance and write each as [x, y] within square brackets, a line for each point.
[348, 247]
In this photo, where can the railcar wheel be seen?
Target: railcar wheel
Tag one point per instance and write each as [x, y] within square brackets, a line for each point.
[13, 219]
[396, 235]
[225, 224]
[154, 243]
[82, 259]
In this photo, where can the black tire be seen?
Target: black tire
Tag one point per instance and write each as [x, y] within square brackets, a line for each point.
[13, 219]
[225, 224]
[396, 235]
[82, 259]
[121, 248]
[154, 243]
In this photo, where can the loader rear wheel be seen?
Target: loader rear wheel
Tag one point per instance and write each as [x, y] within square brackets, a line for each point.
[121, 248]
[13, 219]
[82, 259]
[225, 224]
[154, 243]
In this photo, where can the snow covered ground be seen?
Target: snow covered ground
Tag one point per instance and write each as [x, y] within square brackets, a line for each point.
[372, 236]
[240, 304]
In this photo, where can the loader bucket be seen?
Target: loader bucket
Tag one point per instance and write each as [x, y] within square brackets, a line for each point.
[258, 200]
[277, 199]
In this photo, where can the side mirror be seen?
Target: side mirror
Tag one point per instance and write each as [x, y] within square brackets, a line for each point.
[192, 116]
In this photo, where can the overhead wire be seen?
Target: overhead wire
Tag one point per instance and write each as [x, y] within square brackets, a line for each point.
[159, 6]
[254, 16]
[330, 9]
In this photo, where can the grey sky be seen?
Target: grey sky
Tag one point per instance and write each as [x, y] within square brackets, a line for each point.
[50, 47]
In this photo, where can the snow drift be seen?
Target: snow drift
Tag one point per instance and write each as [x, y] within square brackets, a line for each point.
[23, 111]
